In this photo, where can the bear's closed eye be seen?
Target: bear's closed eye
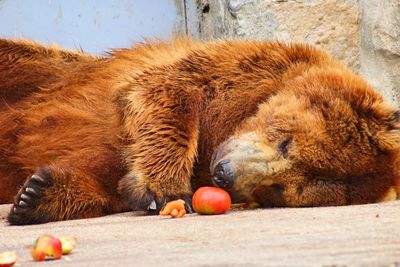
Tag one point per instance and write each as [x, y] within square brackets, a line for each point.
[283, 147]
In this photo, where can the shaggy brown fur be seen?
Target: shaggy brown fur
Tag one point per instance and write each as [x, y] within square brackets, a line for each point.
[108, 134]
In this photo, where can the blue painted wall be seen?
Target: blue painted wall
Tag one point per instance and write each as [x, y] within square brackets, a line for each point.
[93, 25]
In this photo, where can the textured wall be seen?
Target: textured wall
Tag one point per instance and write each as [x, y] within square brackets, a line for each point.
[380, 46]
[364, 34]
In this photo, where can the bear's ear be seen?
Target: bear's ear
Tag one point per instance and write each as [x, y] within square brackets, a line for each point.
[389, 137]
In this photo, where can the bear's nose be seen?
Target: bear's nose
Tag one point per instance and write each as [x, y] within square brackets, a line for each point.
[223, 174]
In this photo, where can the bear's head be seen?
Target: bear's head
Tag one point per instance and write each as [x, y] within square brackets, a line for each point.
[326, 138]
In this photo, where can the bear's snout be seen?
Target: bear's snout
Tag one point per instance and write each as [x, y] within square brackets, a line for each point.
[223, 175]
[244, 162]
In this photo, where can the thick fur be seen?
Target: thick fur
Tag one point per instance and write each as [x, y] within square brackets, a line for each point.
[99, 135]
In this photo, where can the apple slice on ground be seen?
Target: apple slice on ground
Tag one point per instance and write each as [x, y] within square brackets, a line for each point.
[68, 244]
[7, 259]
[175, 208]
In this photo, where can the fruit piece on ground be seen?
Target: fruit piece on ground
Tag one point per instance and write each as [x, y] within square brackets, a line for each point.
[68, 244]
[176, 209]
[46, 247]
[209, 200]
[7, 259]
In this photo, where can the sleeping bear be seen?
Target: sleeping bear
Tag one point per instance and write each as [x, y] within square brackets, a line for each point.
[280, 125]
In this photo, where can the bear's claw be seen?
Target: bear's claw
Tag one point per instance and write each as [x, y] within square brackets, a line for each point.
[23, 210]
[41, 180]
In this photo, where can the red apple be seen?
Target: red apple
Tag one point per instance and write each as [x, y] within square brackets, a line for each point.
[211, 200]
[8, 259]
[46, 247]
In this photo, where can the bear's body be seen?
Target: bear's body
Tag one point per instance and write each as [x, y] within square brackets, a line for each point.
[281, 125]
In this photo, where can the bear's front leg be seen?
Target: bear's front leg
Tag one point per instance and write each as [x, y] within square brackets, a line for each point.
[161, 130]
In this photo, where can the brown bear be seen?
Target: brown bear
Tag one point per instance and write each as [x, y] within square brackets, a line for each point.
[281, 125]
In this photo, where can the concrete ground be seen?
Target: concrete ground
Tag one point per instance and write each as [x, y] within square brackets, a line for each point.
[367, 235]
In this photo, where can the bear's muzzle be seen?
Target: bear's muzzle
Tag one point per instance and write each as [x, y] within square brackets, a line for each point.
[243, 163]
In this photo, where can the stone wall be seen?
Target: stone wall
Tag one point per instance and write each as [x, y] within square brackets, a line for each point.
[380, 46]
[364, 34]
